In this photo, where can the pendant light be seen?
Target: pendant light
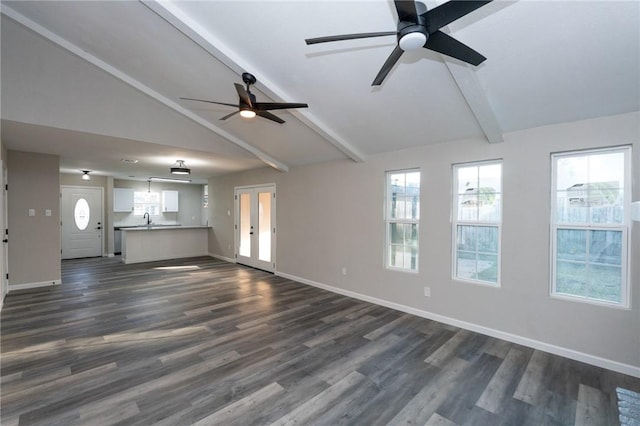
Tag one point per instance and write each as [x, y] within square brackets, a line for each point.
[85, 174]
[180, 169]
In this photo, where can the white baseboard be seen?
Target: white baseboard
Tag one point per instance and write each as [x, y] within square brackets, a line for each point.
[226, 259]
[25, 286]
[619, 367]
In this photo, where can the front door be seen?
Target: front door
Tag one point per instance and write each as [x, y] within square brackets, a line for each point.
[81, 220]
[255, 226]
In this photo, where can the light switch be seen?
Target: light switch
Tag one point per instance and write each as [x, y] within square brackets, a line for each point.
[32, 212]
[47, 212]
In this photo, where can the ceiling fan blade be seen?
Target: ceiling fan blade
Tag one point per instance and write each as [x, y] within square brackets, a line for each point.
[211, 102]
[244, 96]
[406, 10]
[263, 106]
[447, 45]
[230, 115]
[386, 67]
[347, 37]
[269, 116]
[450, 11]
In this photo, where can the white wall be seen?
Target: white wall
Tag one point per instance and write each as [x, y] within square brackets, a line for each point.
[330, 216]
[34, 241]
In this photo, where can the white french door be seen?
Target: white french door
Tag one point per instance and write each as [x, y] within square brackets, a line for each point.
[4, 246]
[81, 219]
[255, 227]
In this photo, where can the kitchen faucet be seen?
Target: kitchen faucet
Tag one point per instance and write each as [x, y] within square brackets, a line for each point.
[148, 216]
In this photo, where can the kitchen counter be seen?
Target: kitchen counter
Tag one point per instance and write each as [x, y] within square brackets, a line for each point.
[160, 242]
[156, 225]
[153, 227]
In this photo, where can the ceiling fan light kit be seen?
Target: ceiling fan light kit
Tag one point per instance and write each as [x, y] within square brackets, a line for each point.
[247, 113]
[418, 27]
[412, 41]
[247, 105]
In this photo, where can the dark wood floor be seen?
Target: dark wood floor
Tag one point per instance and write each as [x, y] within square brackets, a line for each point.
[200, 341]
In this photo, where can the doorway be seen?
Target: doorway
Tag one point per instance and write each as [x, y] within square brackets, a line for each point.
[255, 231]
[81, 210]
[4, 246]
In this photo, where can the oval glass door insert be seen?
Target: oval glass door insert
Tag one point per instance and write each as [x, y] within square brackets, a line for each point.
[81, 214]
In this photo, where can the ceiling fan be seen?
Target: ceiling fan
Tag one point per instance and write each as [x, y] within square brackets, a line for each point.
[247, 105]
[419, 27]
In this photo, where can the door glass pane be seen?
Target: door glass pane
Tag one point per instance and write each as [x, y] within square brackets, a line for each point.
[245, 225]
[81, 214]
[264, 226]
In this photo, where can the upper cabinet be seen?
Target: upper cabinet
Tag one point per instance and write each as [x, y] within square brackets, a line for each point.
[123, 200]
[170, 201]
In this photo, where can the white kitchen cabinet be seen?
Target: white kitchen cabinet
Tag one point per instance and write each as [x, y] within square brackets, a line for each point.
[123, 200]
[170, 201]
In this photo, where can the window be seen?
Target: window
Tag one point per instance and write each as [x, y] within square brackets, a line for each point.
[477, 219]
[81, 214]
[146, 202]
[402, 217]
[590, 225]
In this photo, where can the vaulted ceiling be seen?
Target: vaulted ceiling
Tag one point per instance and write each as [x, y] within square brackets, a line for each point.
[97, 82]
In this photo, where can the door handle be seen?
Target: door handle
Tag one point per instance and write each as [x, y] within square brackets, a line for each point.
[5, 240]
[99, 227]
[250, 233]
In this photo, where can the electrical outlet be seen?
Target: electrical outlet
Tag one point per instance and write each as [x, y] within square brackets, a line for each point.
[344, 270]
[427, 292]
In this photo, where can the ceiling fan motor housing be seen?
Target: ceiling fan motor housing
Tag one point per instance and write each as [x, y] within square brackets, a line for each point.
[411, 35]
[242, 104]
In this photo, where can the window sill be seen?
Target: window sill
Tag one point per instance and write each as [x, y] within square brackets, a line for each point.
[477, 282]
[594, 302]
[409, 271]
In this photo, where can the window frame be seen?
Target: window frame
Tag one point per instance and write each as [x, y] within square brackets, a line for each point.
[477, 223]
[624, 227]
[388, 220]
[144, 209]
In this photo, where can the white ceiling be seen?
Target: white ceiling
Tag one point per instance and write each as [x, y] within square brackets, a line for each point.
[95, 82]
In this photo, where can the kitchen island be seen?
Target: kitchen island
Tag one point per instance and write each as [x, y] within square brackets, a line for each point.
[149, 243]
